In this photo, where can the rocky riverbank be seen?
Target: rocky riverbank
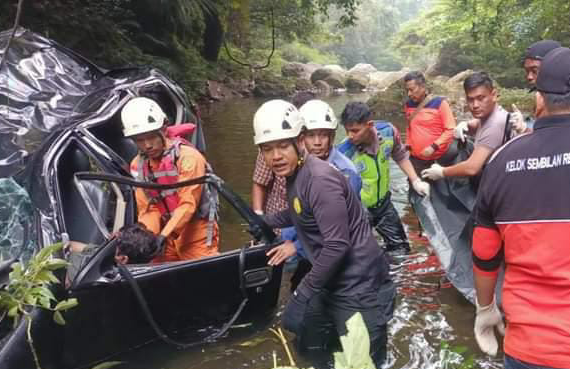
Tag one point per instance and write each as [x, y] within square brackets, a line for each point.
[387, 86]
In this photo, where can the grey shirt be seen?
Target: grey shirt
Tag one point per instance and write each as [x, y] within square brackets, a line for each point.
[334, 231]
[492, 130]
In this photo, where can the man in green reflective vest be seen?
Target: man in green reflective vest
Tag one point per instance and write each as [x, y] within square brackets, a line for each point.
[369, 144]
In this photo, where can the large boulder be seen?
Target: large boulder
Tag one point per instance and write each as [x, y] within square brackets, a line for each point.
[363, 68]
[311, 67]
[389, 100]
[302, 84]
[218, 91]
[382, 80]
[453, 58]
[322, 87]
[457, 80]
[357, 81]
[333, 75]
[271, 86]
[298, 70]
[358, 76]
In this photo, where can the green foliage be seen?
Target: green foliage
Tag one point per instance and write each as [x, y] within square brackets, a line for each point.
[454, 357]
[524, 100]
[303, 53]
[355, 347]
[489, 35]
[29, 287]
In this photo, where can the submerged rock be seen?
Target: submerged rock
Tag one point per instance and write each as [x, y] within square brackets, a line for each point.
[322, 87]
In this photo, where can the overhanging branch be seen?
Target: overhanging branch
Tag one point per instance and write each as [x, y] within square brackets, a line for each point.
[256, 66]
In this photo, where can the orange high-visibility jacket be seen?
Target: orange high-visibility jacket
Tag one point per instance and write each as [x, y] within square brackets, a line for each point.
[433, 124]
[186, 234]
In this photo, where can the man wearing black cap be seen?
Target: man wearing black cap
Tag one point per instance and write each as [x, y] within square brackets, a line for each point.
[532, 58]
[522, 218]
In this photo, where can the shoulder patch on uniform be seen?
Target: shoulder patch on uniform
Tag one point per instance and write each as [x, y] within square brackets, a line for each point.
[360, 166]
[297, 205]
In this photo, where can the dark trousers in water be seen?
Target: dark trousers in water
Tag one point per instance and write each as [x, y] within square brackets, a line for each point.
[325, 321]
[512, 363]
[386, 221]
[303, 267]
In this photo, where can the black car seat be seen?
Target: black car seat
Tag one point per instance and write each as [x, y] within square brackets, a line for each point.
[78, 220]
[127, 149]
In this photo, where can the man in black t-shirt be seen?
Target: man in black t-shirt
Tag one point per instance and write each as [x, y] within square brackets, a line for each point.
[350, 271]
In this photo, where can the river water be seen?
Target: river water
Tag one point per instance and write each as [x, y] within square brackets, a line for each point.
[432, 321]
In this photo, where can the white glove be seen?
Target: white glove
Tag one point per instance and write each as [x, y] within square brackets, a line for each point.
[517, 120]
[485, 321]
[460, 130]
[421, 187]
[434, 172]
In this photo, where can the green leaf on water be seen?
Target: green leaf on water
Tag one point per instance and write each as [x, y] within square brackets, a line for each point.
[13, 311]
[16, 273]
[44, 302]
[47, 251]
[58, 318]
[459, 349]
[47, 276]
[66, 304]
[30, 299]
[107, 364]
[55, 264]
[254, 342]
[340, 361]
[44, 292]
[356, 345]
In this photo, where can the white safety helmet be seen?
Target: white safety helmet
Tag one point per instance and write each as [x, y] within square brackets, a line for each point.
[141, 115]
[276, 120]
[317, 114]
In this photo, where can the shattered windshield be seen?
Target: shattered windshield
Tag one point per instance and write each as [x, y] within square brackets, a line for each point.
[16, 214]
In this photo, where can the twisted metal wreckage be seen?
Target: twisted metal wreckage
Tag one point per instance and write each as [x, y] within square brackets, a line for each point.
[64, 173]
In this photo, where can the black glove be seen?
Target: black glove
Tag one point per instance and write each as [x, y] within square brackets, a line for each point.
[256, 231]
[294, 313]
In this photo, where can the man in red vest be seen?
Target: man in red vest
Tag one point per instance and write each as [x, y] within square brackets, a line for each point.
[184, 217]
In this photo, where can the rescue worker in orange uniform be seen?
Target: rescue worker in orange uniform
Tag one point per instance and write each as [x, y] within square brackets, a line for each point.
[430, 122]
[184, 217]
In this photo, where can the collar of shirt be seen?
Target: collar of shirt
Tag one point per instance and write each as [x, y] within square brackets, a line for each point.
[334, 158]
[552, 120]
[372, 148]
